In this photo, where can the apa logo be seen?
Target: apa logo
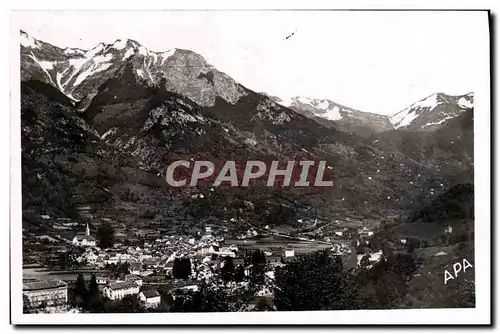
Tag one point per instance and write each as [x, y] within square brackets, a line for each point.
[457, 267]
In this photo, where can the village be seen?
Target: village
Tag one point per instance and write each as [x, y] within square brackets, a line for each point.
[155, 266]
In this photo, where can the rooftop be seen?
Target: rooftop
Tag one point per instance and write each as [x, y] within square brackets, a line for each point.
[150, 293]
[42, 285]
[122, 285]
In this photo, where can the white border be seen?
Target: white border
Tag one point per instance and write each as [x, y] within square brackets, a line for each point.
[479, 315]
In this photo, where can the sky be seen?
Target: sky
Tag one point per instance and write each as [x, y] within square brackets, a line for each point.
[378, 62]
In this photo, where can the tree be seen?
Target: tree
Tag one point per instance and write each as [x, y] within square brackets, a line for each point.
[79, 290]
[404, 265]
[123, 268]
[26, 304]
[239, 273]
[314, 282]
[68, 260]
[257, 260]
[93, 297]
[105, 236]
[206, 299]
[227, 271]
[365, 261]
[181, 268]
[258, 257]
[129, 304]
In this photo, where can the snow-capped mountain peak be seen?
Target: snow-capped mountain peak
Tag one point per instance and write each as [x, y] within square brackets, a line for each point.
[320, 107]
[330, 113]
[432, 111]
[28, 42]
[77, 73]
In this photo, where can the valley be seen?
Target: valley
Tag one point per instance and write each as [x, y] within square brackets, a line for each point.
[100, 127]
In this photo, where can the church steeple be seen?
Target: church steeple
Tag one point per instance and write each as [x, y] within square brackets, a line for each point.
[88, 230]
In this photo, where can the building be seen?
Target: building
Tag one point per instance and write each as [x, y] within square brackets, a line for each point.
[102, 280]
[225, 251]
[151, 298]
[135, 268]
[133, 278]
[289, 253]
[206, 250]
[118, 290]
[364, 232]
[84, 240]
[48, 293]
[151, 263]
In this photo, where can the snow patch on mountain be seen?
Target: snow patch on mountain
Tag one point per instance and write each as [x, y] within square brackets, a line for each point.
[403, 118]
[120, 44]
[323, 105]
[127, 54]
[408, 115]
[28, 41]
[333, 114]
[44, 65]
[99, 63]
[320, 107]
[431, 111]
[93, 52]
[464, 102]
[429, 102]
[438, 122]
[165, 55]
[142, 51]
[58, 81]
[74, 52]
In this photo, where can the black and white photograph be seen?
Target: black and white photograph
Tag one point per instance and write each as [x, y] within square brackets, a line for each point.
[226, 166]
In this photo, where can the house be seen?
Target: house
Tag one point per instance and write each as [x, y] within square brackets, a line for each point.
[248, 270]
[102, 280]
[84, 240]
[224, 251]
[47, 293]
[151, 298]
[135, 268]
[206, 249]
[372, 257]
[169, 267]
[151, 263]
[273, 258]
[364, 232]
[88, 257]
[118, 290]
[133, 278]
[289, 253]
[238, 261]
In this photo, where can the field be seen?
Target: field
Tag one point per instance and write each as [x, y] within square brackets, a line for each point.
[277, 242]
[42, 273]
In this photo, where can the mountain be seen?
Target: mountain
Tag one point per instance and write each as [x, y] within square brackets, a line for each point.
[335, 115]
[432, 112]
[456, 203]
[78, 73]
[108, 121]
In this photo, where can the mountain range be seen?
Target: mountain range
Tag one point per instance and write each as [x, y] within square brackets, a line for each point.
[100, 126]
[427, 114]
